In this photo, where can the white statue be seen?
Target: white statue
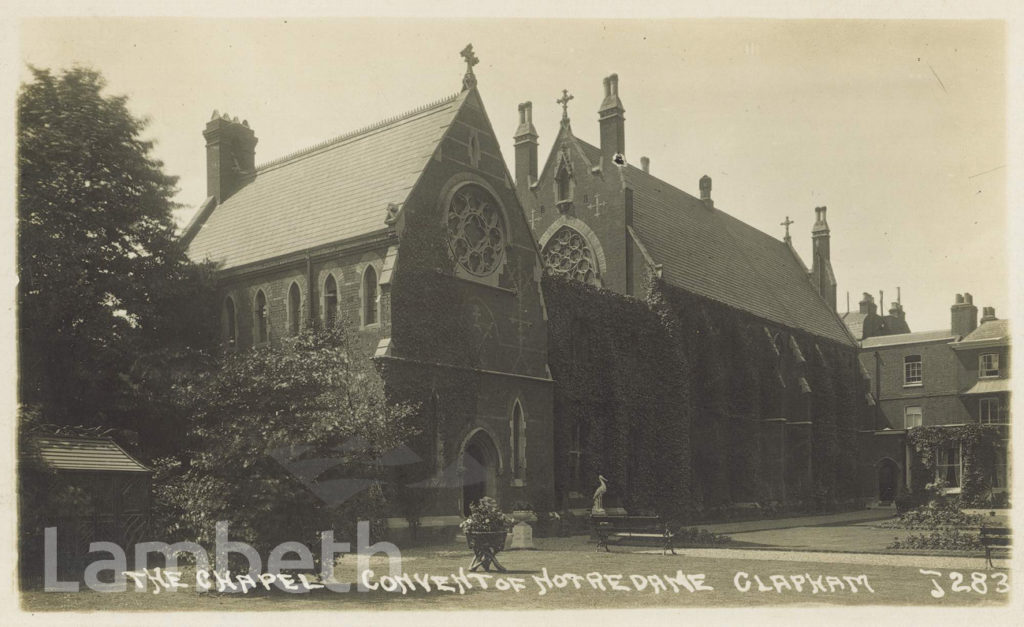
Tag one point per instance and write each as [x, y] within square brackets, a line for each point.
[599, 497]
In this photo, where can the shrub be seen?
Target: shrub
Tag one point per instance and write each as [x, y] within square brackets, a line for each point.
[944, 539]
[933, 516]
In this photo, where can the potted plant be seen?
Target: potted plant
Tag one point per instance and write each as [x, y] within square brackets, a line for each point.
[486, 529]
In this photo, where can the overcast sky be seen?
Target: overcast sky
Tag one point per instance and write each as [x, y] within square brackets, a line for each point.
[897, 126]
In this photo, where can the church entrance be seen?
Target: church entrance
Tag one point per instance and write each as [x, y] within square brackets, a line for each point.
[888, 480]
[480, 470]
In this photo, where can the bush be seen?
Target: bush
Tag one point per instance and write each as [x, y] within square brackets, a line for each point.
[692, 536]
[944, 539]
[933, 516]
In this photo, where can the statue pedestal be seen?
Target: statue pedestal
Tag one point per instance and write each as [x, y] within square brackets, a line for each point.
[597, 512]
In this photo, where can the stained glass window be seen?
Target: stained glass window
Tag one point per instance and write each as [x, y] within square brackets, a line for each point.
[476, 230]
[567, 253]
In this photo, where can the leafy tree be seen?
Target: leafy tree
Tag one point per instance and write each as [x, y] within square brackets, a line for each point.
[106, 292]
[285, 441]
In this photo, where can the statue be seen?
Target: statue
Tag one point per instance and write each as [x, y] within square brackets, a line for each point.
[599, 497]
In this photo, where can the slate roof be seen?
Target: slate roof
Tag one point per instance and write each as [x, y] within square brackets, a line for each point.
[854, 321]
[710, 253]
[89, 454]
[991, 330]
[908, 338]
[330, 192]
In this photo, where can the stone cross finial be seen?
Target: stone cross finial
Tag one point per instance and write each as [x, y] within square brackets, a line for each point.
[564, 101]
[786, 224]
[469, 80]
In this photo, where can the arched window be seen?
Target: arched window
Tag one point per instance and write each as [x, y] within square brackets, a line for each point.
[330, 301]
[228, 323]
[569, 254]
[517, 425]
[369, 296]
[294, 309]
[260, 313]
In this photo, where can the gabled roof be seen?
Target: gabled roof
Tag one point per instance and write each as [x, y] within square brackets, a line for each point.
[710, 253]
[333, 191]
[919, 337]
[854, 321]
[85, 454]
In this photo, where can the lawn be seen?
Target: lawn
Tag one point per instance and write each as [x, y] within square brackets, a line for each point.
[629, 580]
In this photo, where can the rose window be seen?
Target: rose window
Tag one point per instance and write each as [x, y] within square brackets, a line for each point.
[567, 253]
[476, 230]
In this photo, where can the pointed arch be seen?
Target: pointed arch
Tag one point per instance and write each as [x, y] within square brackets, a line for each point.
[588, 235]
[371, 295]
[261, 331]
[569, 253]
[330, 301]
[294, 309]
[517, 441]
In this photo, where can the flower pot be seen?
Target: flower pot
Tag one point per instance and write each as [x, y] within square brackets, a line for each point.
[524, 515]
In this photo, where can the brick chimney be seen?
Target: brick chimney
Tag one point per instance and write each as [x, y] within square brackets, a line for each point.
[230, 155]
[705, 191]
[611, 119]
[867, 304]
[526, 148]
[896, 310]
[988, 314]
[645, 165]
[821, 266]
[963, 315]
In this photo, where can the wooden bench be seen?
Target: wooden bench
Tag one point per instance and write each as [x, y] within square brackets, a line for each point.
[635, 530]
[994, 537]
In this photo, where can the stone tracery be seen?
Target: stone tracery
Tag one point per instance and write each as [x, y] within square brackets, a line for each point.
[568, 253]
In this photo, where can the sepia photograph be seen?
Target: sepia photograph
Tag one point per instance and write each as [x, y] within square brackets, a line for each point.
[428, 314]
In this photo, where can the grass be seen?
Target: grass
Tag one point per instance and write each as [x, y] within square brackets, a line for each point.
[891, 584]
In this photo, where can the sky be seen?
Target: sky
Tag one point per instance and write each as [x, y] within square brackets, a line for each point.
[897, 126]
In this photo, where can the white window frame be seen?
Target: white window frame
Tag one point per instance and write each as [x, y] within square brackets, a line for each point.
[991, 411]
[260, 319]
[919, 381]
[958, 464]
[991, 372]
[907, 414]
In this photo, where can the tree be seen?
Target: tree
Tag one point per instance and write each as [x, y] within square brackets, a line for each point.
[103, 279]
[285, 441]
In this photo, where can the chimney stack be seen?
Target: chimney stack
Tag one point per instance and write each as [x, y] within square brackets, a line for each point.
[963, 315]
[867, 304]
[611, 119]
[230, 155]
[525, 148]
[896, 310]
[988, 314]
[645, 165]
[821, 265]
[705, 191]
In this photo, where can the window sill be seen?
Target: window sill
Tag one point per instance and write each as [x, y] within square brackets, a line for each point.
[518, 483]
[370, 327]
[913, 385]
[988, 376]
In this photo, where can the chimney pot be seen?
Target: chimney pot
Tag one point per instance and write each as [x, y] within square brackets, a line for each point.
[525, 140]
[645, 164]
[705, 191]
[964, 315]
[988, 314]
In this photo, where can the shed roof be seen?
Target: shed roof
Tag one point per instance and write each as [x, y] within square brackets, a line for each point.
[330, 192]
[85, 454]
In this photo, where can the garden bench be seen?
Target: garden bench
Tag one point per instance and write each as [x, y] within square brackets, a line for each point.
[994, 537]
[634, 530]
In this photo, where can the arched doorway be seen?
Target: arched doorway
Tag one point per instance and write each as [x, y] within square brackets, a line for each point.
[888, 480]
[480, 468]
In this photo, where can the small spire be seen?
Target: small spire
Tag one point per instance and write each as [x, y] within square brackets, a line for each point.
[469, 80]
[564, 101]
[788, 239]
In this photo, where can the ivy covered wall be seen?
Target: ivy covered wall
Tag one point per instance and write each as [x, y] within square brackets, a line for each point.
[686, 405]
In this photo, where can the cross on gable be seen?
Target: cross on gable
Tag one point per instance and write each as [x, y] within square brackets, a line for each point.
[469, 80]
[564, 101]
[596, 205]
[786, 224]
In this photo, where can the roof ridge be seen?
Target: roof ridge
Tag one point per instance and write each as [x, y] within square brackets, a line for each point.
[359, 131]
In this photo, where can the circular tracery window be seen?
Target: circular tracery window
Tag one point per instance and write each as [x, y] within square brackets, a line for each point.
[567, 253]
[476, 230]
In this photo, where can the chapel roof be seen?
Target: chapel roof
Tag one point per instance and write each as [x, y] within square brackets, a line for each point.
[708, 252]
[330, 192]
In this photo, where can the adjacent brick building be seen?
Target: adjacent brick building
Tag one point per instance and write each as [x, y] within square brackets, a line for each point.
[948, 377]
